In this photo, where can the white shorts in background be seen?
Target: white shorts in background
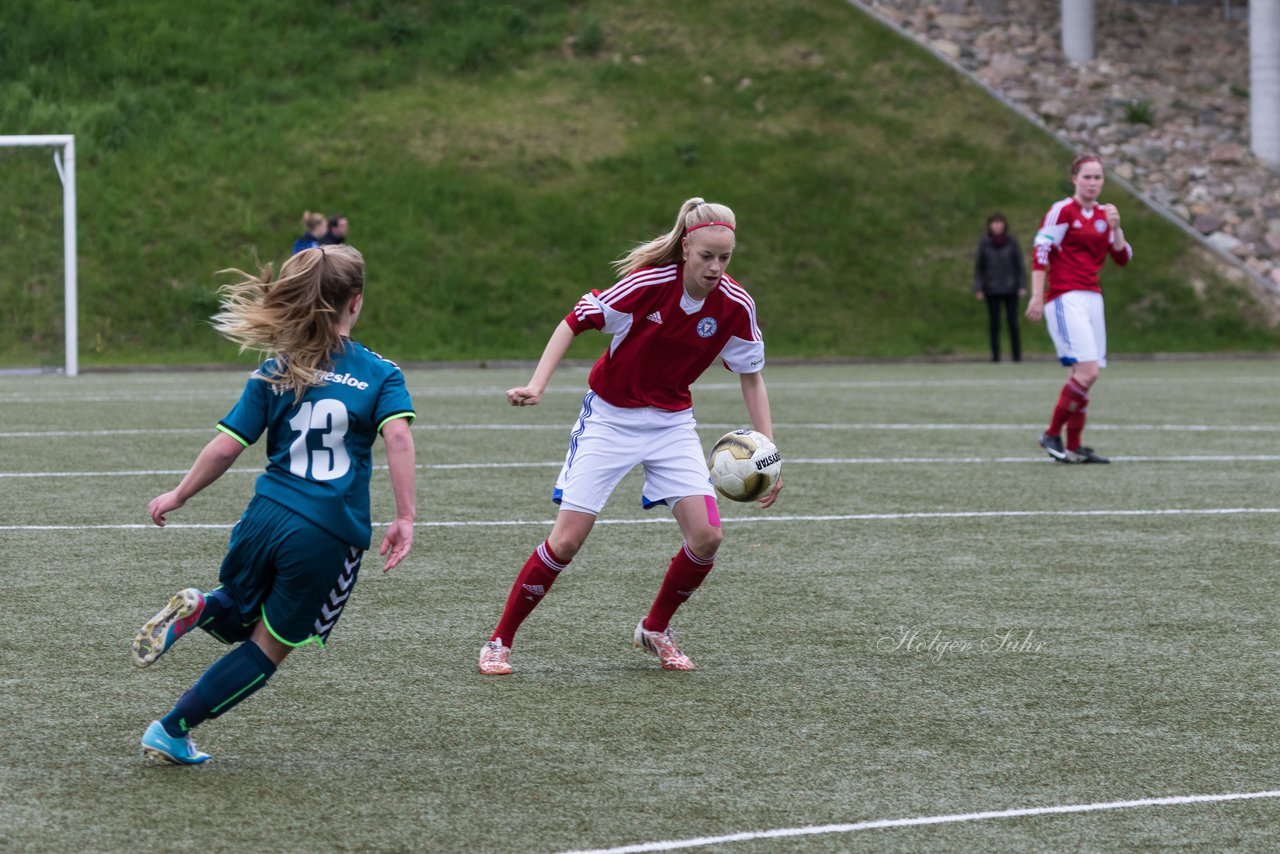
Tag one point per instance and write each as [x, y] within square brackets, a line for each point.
[1077, 327]
[608, 441]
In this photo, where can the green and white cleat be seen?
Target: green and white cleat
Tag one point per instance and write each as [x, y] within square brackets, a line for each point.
[174, 620]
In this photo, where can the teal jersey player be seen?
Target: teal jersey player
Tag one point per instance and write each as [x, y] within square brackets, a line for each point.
[319, 449]
[294, 557]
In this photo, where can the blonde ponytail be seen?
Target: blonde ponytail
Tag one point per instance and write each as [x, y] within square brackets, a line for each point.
[294, 318]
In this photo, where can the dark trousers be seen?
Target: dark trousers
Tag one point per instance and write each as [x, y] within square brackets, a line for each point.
[1010, 304]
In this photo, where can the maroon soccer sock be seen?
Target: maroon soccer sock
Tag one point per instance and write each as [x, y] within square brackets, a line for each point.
[532, 583]
[1074, 397]
[685, 574]
[1075, 426]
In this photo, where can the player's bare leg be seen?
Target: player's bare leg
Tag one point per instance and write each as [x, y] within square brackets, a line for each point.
[699, 520]
[535, 578]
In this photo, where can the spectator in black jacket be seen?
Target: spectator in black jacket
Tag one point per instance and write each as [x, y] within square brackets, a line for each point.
[999, 280]
[337, 231]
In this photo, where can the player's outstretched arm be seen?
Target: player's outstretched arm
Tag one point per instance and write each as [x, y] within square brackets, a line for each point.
[402, 461]
[756, 397]
[210, 465]
[1035, 305]
[552, 354]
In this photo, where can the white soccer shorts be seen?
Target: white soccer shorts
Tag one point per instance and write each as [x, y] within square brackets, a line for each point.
[1077, 327]
[608, 441]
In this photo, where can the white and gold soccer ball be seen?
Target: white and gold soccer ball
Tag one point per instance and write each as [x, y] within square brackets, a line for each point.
[744, 465]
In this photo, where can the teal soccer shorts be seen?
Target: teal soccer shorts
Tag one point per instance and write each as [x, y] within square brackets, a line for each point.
[288, 571]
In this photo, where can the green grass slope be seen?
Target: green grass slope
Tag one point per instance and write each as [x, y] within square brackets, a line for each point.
[494, 157]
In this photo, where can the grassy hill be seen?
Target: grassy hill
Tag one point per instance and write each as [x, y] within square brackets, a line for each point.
[494, 157]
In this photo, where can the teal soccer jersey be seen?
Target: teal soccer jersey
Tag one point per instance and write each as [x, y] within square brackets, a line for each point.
[320, 448]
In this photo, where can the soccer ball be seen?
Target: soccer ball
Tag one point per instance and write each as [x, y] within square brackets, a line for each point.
[744, 465]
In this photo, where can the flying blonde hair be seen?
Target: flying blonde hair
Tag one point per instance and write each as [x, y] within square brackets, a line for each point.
[667, 248]
[293, 318]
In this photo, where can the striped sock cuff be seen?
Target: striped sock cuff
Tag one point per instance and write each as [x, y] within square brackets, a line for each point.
[700, 561]
[549, 558]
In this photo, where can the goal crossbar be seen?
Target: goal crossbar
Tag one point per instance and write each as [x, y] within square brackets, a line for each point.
[64, 159]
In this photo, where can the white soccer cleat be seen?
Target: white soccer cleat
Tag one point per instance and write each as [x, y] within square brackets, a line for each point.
[163, 630]
[663, 645]
[495, 659]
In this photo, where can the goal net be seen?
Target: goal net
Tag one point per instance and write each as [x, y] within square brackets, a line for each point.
[37, 258]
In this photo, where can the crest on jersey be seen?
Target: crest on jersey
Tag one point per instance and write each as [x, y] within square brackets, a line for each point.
[1100, 225]
[706, 327]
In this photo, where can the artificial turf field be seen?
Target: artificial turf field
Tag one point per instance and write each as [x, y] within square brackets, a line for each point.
[1138, 603]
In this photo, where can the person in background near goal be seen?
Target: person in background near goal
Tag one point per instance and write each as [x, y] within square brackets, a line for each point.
[315, 228]
[999, 280]
[337, 232]
[672, 312]
[321, 399]
[1073, 242]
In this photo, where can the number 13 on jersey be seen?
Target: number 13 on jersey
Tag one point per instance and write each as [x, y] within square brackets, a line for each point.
[328, 419]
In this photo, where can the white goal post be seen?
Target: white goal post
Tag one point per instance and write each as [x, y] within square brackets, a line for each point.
[64, 159]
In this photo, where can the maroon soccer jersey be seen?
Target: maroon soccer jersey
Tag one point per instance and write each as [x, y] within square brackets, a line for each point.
[1073, 245]
[663, 339]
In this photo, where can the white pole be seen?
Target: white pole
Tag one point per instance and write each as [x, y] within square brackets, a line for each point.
[72, 326]
[1264, 79]
[67, 172]
[47, 140]
[1077, 30]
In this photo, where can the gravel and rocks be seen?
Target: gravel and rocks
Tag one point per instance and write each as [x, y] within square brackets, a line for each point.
[1165, 103]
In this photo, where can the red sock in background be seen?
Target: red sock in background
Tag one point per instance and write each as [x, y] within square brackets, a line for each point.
[532, 583]
[685, 574]
[1073, 398]
[1075, 426]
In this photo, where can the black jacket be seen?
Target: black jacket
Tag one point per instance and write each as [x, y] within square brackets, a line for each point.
[998, 270]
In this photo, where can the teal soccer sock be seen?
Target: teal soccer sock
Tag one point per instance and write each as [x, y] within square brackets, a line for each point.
[230, 680]
[221, 617]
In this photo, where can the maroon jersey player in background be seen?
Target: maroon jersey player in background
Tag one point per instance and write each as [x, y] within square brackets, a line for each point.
[1073, 243]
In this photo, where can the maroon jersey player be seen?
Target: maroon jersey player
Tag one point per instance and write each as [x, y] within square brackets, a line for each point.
[1077, 235]
[672, 313]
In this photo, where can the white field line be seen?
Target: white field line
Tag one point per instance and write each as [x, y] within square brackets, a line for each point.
[665, 519]
[791, 461]
[53, 434]
[814, 461]
[816, 830]
[217, 392]
[259, 470]
[710, 425]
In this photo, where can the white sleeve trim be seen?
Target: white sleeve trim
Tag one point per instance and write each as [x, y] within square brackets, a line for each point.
[743, 357]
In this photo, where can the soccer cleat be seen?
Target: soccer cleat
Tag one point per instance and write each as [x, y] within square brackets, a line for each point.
[1053, 446]
[495, 659]
[161, 631]
[1085, 455]
[663, 645]
[159, 746]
